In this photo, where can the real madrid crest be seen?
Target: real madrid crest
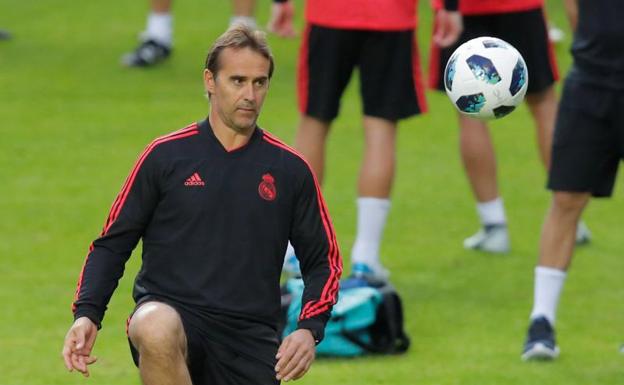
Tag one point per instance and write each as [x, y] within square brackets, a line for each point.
[266, 188]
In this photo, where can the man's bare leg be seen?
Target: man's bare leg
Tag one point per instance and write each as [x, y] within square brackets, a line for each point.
[479, 160]
[156, 331]
[310, 142]
[373, 203]
[556, 249]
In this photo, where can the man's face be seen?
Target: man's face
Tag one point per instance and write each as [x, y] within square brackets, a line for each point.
[239, 89]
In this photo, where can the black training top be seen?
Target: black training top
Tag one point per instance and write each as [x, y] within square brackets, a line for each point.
[215, 225]
[598, 46]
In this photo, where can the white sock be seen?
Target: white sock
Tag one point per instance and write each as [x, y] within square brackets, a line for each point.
[246, 21]
[372, 214]
[492, 212]
[548, 285]
[159, 28]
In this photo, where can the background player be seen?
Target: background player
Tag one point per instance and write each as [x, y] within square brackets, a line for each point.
[587, 149]
[522, 24]
[377, 37]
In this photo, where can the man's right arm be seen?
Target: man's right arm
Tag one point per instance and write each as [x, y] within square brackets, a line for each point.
[448, 23]
[282, 15]
[126, 222]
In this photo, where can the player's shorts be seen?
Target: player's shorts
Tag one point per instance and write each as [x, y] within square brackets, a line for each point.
[225, 350]
[589, 139]
[526, 31]
[388, 63]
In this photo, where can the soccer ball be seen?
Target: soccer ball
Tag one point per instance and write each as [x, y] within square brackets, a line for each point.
[486, 78]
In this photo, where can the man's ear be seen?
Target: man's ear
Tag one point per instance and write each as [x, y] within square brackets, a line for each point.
[209, 81]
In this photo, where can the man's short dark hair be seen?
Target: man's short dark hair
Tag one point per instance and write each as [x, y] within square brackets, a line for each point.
[239, 37]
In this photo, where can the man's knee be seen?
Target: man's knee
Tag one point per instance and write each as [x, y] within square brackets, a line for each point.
[157, 328]
[570, 202]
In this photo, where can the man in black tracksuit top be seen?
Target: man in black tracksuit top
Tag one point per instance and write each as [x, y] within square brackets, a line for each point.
[588, 147]
[215, 205]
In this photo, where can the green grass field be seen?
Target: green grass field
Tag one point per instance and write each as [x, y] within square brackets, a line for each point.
[72, 123]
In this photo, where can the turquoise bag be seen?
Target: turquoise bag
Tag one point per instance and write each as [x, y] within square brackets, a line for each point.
[360, 322]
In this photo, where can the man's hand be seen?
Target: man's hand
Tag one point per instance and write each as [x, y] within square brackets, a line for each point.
[449, 27]
[78, 345]
[281, 22]
[295, 355]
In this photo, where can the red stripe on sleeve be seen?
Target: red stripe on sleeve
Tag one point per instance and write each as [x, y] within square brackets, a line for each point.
[115, 205]
[190, 131]
[330, 289]
[123, 194]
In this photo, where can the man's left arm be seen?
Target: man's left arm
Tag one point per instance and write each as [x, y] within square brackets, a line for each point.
[313, 237]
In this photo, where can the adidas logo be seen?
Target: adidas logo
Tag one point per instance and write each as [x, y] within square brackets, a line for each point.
[194, 180]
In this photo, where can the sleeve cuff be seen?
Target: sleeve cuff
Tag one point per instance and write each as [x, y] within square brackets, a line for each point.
[91, 314]
[316, 327]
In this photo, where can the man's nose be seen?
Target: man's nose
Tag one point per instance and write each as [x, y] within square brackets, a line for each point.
[249, 93]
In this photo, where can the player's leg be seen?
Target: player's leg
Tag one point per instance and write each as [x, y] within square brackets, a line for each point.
[391, 90]
[157, 333]
[326, 60]
[556, 249]
[479, 160]
[536, 46]
[373, 204]
[378, 164]
[243, 13]
[310, 141]
[476, 148]
[156, 40]
[543, 107]
[585, 157]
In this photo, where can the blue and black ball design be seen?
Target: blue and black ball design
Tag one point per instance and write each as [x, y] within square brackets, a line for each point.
[501, 111]
[483, 69]
[494, 44]
[449, 73]
[518, 78]
[471, 103]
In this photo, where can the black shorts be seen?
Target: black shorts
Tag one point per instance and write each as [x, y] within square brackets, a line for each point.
[225, 350]
[388, 62]
[589, 139]
[526, 31]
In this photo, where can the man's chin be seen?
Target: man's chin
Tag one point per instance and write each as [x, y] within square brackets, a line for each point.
[244, 126]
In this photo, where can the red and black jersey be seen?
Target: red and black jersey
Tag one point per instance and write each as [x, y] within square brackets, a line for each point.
[378, 15]
[215, 225]
[370, 15]
[486, 7]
